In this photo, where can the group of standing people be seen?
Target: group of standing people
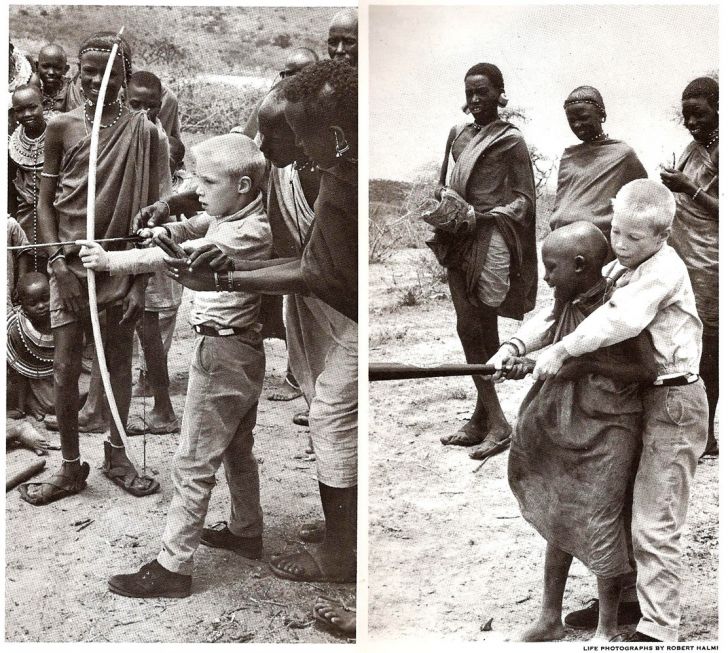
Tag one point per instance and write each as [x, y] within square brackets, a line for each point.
[627, 436]
[276, 215]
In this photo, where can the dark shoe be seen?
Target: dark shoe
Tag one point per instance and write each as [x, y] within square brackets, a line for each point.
[220, 537]
[637, 636]
[301, 419]
[629, 613]
[151, 581]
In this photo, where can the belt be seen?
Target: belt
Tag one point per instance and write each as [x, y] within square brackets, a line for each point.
[205, 330]
[683, 379]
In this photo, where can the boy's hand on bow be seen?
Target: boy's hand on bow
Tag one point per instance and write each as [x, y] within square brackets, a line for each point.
[93, 256]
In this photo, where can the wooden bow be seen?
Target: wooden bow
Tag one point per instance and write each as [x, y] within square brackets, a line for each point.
[90, 233]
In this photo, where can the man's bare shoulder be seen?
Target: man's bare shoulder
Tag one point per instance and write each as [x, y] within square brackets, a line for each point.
[60, 122]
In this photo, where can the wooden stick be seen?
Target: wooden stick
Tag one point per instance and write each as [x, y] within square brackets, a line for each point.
[397, 371]
[24, 474]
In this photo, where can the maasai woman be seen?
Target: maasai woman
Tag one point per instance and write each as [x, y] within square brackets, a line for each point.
[25, 151]
[591, 173]
[695, 229]
[491, 270]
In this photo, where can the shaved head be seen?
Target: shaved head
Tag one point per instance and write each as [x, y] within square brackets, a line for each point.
[52, 51]
[581, 238]
[343, 41]
[297, 60]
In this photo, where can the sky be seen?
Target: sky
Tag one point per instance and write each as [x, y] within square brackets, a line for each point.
[640, 57]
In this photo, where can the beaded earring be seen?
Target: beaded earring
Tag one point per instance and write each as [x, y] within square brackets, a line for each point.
[341, 148]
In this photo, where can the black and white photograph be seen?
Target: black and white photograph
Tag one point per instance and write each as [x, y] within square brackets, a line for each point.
[182, 306]
[543, 324]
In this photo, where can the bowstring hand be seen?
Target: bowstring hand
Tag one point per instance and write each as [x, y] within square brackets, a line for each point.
[210, 258]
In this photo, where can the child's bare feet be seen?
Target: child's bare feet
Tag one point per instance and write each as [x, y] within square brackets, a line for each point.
[542, 631]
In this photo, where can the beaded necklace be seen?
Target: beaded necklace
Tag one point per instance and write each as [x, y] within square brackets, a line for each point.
[28, 153]
[713, 138]
[101, 125]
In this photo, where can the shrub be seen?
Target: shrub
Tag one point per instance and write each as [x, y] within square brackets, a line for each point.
[213, 107]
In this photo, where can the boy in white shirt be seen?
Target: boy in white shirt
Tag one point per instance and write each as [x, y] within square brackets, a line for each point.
[653, 292]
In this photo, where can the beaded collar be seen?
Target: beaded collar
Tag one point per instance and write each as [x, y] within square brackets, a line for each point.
[25, 151]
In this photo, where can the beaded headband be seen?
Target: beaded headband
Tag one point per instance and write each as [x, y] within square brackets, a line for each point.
[585, 101]
[119, 52]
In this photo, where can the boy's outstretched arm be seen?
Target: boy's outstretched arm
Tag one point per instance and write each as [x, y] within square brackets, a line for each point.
[629, 312]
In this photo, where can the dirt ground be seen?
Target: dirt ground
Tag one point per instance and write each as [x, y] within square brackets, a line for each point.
[56, 572]
[449, 554]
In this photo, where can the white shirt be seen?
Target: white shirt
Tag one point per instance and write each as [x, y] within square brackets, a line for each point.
[656, 296]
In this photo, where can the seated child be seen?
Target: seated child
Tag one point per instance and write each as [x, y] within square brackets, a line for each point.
[30, 349]
[226, 371]
[652, 293]
[574, 448]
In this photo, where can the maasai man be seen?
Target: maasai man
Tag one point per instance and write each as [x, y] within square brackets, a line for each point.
[30, 348]
[491, 270]
[127, 180]
[168, 112]
[695, 229]
[52, 69]
[591, 173]
[288, 388]
[26, 155]
[343, 41]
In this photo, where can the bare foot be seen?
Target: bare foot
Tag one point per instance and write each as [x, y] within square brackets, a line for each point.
[497, 440]
[542, 631]
[335, 615]
[466, 436]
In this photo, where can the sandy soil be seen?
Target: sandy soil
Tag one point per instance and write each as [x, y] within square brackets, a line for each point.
[56, 572]
[449, 554]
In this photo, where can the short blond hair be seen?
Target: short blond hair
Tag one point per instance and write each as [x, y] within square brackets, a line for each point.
[237, 156]
[648, 200]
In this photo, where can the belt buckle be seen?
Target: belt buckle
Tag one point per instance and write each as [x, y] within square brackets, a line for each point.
[226, 332]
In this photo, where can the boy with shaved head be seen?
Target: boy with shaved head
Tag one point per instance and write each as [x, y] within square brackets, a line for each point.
[652, 292]
[576, 440]
[226, 372]
[52, 69]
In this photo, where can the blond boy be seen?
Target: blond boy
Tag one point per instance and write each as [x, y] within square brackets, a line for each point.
[653, 292]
